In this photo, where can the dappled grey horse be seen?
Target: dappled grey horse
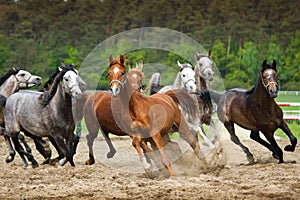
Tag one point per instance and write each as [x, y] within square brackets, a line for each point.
[10, 83]
[45, 114]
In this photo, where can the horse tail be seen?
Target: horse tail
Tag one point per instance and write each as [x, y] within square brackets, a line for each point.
[79, 105]
[185, 100]
[154, 83]
[215, 96]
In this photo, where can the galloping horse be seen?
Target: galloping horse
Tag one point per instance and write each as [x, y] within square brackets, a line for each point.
[11, 82]
[96, 110]
[45, 114]
[145, 118]
[255, 110]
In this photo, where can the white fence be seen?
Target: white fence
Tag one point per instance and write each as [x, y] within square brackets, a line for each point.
[290, 114]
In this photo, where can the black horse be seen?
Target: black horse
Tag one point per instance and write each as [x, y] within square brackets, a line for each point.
[255, 110]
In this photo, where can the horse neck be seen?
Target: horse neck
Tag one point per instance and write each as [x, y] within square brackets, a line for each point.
[200, 83]
[260, 95]
[177, 82]
[9, 87]
[62, 100]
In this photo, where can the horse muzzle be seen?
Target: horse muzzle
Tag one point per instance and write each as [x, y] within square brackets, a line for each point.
[76, 93]
[273, 92]
[33, 81]
[115, 91]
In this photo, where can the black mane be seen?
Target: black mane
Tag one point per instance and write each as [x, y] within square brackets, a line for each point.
[5, 76]
[51, 85]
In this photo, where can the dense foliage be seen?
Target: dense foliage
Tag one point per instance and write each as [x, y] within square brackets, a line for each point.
[39, 34]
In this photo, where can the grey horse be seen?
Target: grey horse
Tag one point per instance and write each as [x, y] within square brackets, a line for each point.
[10, 83]
[45, 114]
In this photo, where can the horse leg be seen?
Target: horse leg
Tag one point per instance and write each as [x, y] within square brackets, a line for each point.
[161, 149]
[41, 145]
[61, 154]
[23, 153]
[59, 141]
[22, 138]
[292, 138]
[230, 127]
[136, 143]
[112, 150]
[93, 132]
[11, 150]
[186, 135]
[77, 136]
[255, 136]
[276, 148]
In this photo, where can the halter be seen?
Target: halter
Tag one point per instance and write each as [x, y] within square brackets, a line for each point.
[188, 81]
[267, 85]
[119, 82]
[18, 81]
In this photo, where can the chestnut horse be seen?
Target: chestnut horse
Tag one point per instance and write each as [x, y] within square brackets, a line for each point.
[145, 118]
[96, 110]
[255, 110]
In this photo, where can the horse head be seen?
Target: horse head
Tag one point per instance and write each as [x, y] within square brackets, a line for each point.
[117, 75]
[26, 79]
[187, 77]
[205, 66]
[72, 82]
[135, 77]
[269, 78]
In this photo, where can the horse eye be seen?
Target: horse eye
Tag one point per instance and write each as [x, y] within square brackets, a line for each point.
[183, 75]
[66, 79]
[200, 64]
[22, 75]
[123, 73]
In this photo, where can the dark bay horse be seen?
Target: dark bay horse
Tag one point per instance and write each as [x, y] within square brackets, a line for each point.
[45, 114]
[255, 110]
[145, 118]
[96, 110]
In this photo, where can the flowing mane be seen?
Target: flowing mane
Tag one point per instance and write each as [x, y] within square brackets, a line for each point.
[51, 85]
[5, 76]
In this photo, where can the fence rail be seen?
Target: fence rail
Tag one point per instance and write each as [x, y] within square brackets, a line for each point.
[290, 114]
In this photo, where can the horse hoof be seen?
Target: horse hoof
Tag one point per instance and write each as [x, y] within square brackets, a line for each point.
[89, 162]
[275, 156]
[289, 148]
[34, 165]
[9, 159]
[62, 162]
[250, 160]
[110, 154]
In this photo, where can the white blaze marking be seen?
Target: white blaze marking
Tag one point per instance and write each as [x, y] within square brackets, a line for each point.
[134, 75]
[116, 70]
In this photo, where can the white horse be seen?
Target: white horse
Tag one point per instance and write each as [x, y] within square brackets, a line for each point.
[185, 79]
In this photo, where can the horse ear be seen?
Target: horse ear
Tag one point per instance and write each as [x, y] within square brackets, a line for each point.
[209, 53]
[122, 59]
[264, 63]
[179, 64]
[110, 59]
[274, 65]
[60, 69]
[197, 56]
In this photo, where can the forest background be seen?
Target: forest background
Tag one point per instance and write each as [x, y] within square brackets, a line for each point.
[38, 34]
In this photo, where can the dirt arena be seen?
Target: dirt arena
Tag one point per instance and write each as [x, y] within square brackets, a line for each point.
[121, 178]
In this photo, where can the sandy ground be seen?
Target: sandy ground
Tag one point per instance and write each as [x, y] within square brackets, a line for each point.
[122, 177]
